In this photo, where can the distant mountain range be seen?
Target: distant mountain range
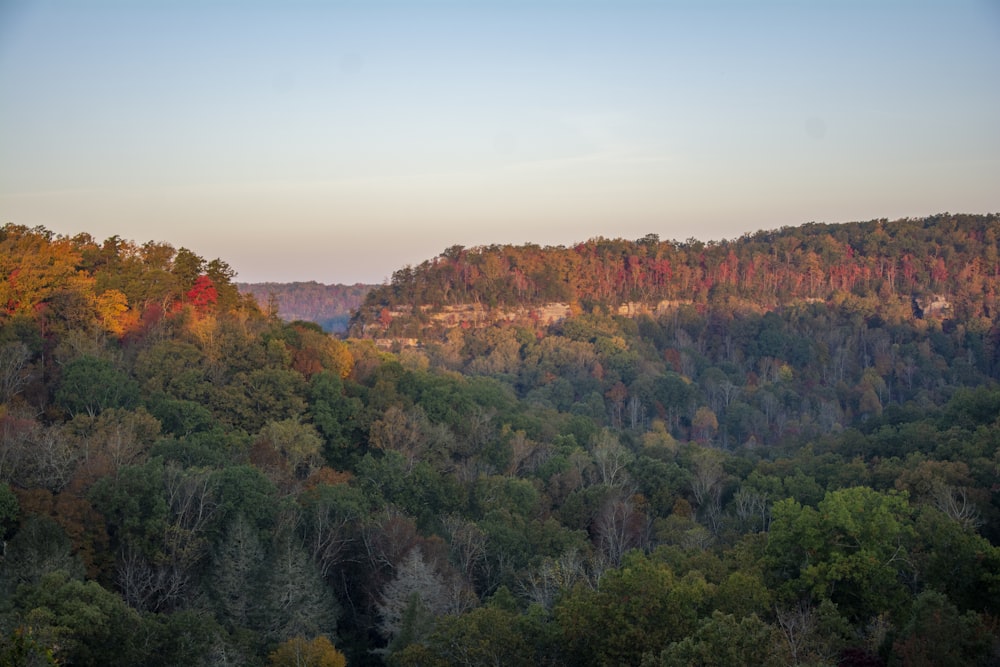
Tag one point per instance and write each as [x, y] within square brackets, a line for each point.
[330, 306]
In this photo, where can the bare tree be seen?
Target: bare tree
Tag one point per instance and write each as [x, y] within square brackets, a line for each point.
[954, 501]
[752, 509]
[50, 459]
[331, 527]
[543, 584]
[621, 526]
[416, 585]
[611, 459]
[526, 454]
[161, 581]
[400, 431]
[797, 625]
[468, 546]
[803, 635]
[150, 586]
[708, 482]
[15, 369]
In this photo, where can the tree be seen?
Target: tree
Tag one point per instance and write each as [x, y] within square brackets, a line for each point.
[851, 549]
[937, 634]
[113, 310]
[704, 424]
[331, 519]
[115, 438]
[82, 623]
[955, 560]
[15, 369]
[639, 608]
[36, 456]
[335, 416]
[39, 547]
[809, 634]
[34, 265]
[238, 568]
[134, 507]
[187, 266]
[612, 460]
[90, 385]
[300, 652]
[158, 516]
[20, 648]
[203, 295]
[708, 482]
[485, 637]
[297, 600]
[620, 526]
[400, 431]
[296, 446]
[245, 490]
[722, 640]
[409, 603]
[182, 637]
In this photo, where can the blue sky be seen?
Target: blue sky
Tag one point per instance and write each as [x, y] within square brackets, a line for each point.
[339, 141]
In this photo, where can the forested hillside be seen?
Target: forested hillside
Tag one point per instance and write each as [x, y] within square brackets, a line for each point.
[896, 265]
[329, 306]
[781, 450]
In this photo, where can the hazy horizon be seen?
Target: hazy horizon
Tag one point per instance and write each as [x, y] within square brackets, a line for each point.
[337, 142]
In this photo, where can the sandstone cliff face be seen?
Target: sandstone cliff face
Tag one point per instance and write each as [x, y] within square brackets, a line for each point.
[935, 306]
[468, 316]
[474, 315]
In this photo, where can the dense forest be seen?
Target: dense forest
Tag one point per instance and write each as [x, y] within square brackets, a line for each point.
[778, 450]
[329, 306]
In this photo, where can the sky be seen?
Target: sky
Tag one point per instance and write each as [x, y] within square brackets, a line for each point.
[340, 141]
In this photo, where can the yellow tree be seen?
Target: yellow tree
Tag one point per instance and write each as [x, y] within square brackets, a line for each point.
[300, 652]
[33, 264]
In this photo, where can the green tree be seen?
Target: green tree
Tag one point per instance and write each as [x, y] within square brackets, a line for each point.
[20, 648]
[722, 640]
[955, 560]
[243, 489]
[187, 266]
[336, 417]
[938, 635]
[640, 608]
[851, 549]
[183, 637]
[39, 547]
[134, 507]
[486, 636]
[81, 622]
[90, 385]
[293, 446]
